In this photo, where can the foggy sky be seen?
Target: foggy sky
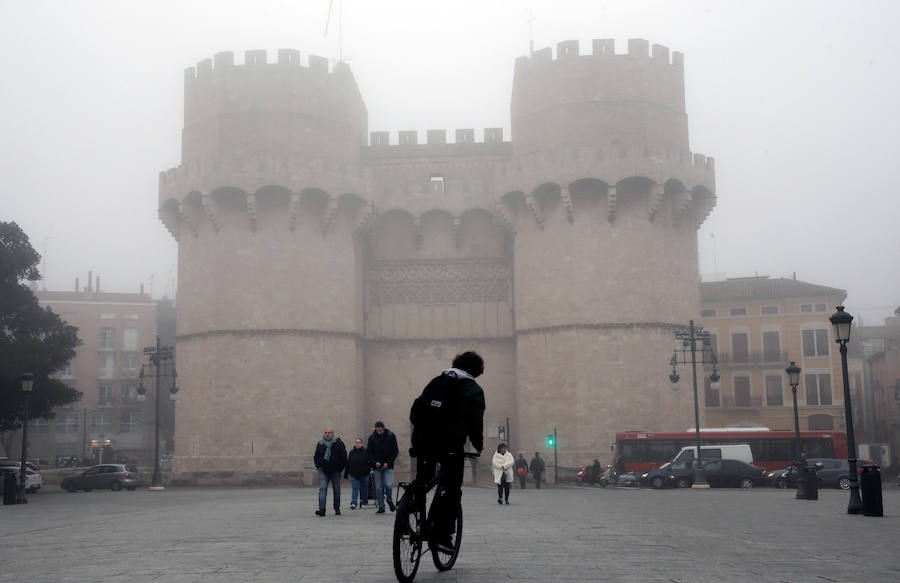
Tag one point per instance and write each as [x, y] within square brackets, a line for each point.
[799, 102]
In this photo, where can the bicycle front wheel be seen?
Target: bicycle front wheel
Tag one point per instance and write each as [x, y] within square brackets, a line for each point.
[444, 560]
[407, 540]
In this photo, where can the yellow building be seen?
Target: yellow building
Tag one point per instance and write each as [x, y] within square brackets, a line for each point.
[758, 326]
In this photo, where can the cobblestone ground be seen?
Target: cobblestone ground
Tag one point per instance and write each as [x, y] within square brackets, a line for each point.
[563, 534]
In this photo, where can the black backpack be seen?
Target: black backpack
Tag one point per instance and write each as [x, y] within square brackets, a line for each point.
[437, 417]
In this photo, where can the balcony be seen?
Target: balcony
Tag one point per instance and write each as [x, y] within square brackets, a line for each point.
[729, 402]
[768, 358]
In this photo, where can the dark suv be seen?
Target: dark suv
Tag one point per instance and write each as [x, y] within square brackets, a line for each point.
[835, 473]
[112, 476]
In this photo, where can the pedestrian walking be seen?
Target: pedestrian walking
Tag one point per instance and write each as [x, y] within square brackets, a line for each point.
[521, 470]
[502, 466]
[383, 450]
[330, 459]
[537, 469]
[358, 470]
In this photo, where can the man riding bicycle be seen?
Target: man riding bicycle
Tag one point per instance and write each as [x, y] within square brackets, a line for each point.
[449, 410]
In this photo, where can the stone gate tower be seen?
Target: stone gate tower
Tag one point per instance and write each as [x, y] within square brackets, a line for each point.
[324, 278]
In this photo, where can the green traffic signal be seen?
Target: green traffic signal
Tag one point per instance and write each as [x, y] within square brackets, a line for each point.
[550, 441]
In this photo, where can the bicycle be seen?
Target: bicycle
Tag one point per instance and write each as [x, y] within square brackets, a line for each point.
[412, 528]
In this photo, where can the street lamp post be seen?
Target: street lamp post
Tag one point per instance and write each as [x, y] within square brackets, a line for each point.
[689, 341]
[841, 321]
[27, 381]
[157, 355]
[793, 373]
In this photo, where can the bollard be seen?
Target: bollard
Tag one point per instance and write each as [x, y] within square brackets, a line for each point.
[800, 472]
[812, 482]
[870, 490]
[9, 488]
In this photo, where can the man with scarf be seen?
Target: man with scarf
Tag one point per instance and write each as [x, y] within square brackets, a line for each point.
[330, 459]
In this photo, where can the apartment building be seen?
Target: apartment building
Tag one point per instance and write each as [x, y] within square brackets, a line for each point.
[760, 324]
[113, 328]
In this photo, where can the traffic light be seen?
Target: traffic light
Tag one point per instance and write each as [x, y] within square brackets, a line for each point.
[550, 440]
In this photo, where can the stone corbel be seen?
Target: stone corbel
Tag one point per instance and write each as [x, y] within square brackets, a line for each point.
[567, 203]
[656, 196]
[184, 219]
[364, 219]
[535, 209]
[330, 212]
[293, 210]
[682, 201]
[417, 231]
[251, 210]
[502, 220]
[209, 207]
[611, 203]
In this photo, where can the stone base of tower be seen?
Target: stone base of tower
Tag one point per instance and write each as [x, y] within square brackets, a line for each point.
[258, 401]
[590, 382]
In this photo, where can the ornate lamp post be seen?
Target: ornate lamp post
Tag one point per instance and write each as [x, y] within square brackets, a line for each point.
[689, 341]
[793, 373]
[841, 321]
[157, 355]
[27, 384]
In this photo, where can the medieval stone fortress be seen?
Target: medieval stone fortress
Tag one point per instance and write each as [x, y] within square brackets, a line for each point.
[326, 273]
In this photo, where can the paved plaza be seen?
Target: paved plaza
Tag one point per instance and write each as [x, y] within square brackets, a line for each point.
[553, 534]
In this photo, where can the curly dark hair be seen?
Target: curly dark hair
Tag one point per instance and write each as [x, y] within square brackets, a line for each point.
[470, 362]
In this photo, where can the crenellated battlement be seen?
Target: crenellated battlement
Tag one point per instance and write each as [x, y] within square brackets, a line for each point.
[604, 49]
[287, 59]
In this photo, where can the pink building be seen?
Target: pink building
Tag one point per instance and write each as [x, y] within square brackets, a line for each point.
[114, 328]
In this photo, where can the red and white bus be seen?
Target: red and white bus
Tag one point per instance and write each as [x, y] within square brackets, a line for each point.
[641, 451]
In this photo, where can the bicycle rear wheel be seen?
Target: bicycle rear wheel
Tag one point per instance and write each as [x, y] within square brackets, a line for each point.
[407, 540]
[442, 560]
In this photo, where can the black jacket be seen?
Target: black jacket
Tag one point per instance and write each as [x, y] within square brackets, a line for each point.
[338, 457]
[469, 424]
[537, 465]
[357, 463]
[521, 463]
[383, 448]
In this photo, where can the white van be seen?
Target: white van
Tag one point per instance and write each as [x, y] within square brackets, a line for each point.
[731, 451]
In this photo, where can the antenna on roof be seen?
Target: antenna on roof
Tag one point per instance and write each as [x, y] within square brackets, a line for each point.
[340, 27]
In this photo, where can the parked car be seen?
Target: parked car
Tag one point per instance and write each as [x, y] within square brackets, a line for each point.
[782, 478]
[835, 473]
[718, 473]
[33, 479]
[671, 474]
[112, 476]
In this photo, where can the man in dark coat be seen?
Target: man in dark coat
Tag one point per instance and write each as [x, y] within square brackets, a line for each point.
[330, 459]
[383, 450]
[440, 438]
[537, 469]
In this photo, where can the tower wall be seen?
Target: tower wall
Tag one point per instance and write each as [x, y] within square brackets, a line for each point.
[270, 269]
[605, 200]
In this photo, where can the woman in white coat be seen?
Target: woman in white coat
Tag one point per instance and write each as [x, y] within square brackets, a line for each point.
[502, 465]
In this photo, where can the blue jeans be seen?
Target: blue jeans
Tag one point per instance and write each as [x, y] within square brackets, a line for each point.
[335, 479]
[360, 490]
[384, 483]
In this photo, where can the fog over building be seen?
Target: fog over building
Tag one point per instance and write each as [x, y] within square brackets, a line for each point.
[326, 274]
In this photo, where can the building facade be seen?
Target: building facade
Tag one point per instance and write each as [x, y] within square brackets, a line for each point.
[113, 328]
[327, 274]
[881, 351]
[758, 326]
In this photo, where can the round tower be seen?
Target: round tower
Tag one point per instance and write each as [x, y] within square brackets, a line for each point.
[265, 205]
[605, 199]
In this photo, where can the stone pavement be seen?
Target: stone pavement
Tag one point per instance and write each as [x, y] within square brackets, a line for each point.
[553, 534]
